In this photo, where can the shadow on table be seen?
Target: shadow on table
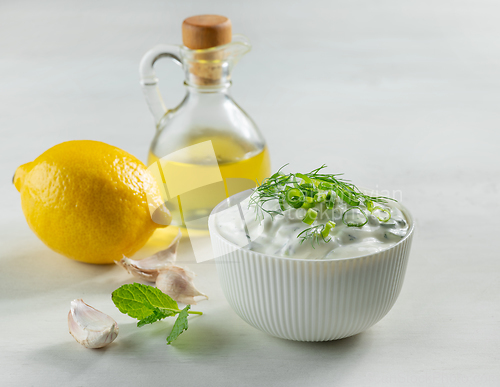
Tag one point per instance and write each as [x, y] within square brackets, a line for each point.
[207, 339]
[132, 342]
[72, 357]
[291, 363]
[203, 339]
[257, 357]
[34, 270]
[38, 272]
[197, 341]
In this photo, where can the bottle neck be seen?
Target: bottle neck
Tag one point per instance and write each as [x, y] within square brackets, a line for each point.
[211, 68]
[221, 88]
[207, 69]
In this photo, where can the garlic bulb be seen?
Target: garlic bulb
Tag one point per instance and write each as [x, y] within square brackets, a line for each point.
[148, 268]
[90, 327]
[178, 284]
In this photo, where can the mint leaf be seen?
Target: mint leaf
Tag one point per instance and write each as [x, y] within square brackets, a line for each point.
[181, 324]
[140, 301]
[155, 316]
[149, 304]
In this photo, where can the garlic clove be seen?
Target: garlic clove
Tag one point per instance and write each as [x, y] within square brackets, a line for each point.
[177, 282]
[147, 268]
[90, 327]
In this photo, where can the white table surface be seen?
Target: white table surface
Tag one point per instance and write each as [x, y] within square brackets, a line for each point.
[398, 95]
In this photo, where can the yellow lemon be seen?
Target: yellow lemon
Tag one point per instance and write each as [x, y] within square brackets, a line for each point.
[88, 201]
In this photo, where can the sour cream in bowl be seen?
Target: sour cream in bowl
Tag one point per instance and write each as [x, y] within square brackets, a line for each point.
[310, 257]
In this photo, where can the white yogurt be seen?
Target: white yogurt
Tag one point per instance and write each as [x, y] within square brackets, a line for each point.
[278, 235]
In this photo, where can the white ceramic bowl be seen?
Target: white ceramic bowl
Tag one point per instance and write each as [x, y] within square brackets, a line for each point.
[309, 300]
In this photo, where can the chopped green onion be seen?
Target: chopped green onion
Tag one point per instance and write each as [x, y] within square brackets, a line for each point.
[312, 185]
[354, 224]
[294, 197]
[326, 231]
[310, 193]
[310, 216]
[347, 197]
[325, 186]
[308, 202]
[330, 200]
[306, 179]
[308, 189]
[383, 210]
[320, 197]
[331, 196]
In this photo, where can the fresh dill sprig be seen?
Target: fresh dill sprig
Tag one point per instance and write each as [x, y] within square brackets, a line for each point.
[313, 233]
[307, 190]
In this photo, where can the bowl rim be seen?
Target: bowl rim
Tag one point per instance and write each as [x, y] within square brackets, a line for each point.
[211, 225]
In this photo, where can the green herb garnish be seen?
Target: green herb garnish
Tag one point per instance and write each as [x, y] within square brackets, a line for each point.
[310, 216]
[313, 233]
[310, 190]
[294, 197]
[326, 230]
[382, 210]
[180, 325]
[354, 224]
[149, 304]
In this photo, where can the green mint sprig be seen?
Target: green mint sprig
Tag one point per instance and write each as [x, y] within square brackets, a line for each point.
[181, 324]
[149, 304]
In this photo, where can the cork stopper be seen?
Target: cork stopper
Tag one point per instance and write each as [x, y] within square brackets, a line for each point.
[206, 31]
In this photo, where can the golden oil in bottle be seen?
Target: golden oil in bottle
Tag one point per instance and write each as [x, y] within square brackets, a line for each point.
[238, 168]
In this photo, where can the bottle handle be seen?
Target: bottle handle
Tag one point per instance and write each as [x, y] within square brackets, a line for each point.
[149, 82]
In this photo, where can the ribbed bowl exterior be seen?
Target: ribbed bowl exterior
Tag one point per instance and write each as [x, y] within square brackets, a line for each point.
[310, 300]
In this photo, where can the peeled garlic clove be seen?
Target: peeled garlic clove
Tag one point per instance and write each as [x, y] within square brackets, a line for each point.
[90, 327]
[148, 268]
[178, 284]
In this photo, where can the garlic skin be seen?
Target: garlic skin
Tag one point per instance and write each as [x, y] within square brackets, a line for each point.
[178, 284]
[90, 327]
[147, 269]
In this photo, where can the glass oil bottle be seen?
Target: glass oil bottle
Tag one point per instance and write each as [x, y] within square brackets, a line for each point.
[207, 115]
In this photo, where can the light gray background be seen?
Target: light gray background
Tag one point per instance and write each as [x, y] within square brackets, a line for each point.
[398, 95]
